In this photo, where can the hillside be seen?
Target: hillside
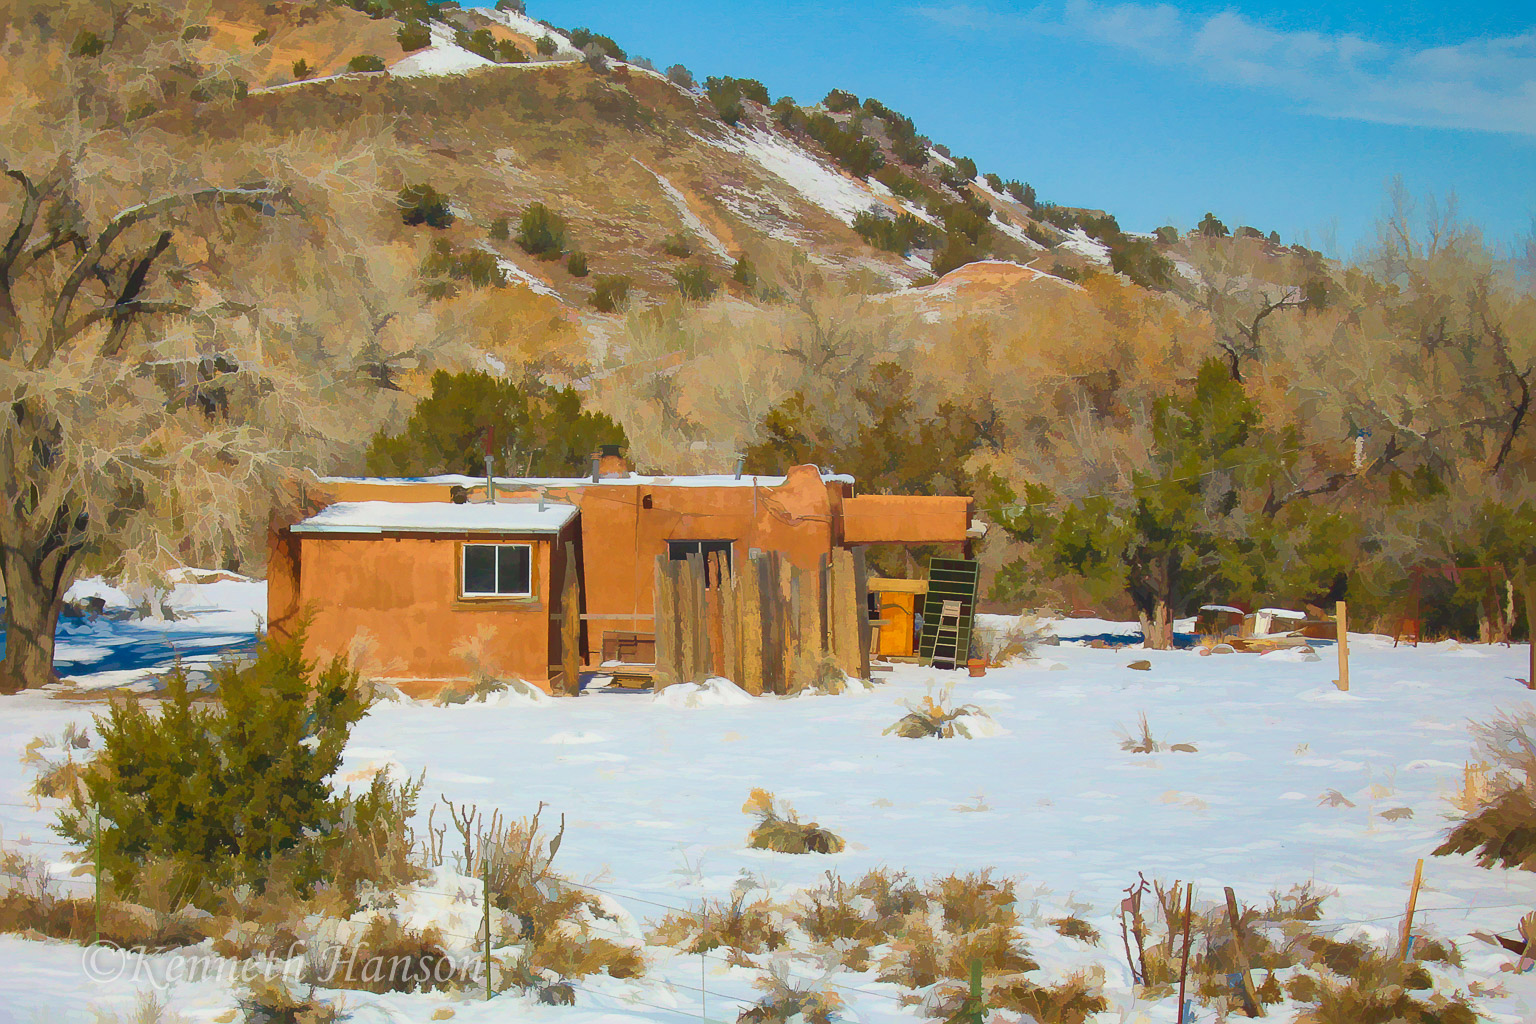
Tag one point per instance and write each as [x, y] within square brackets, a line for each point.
[724, 273]
[628, 158]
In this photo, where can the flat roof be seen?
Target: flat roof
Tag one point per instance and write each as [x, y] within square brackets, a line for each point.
[369, 517]
[634, 479]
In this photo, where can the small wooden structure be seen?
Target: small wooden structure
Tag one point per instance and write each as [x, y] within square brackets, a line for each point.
[765, 624]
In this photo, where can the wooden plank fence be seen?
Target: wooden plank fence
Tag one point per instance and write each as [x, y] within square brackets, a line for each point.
[764, 623]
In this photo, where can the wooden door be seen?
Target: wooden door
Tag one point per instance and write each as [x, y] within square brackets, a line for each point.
[896, 624]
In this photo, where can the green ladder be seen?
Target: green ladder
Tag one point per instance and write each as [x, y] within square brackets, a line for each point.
[946, 638]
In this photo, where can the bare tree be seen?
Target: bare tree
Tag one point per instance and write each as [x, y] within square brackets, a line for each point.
[144, 408]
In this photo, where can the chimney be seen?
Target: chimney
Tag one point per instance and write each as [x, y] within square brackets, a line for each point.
[609, 462]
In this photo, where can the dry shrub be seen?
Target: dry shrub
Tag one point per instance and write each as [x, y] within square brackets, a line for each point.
[737, 925]
[936, 718]
[57, 779]
[376, 846]
[818, 673]
[1074, 927]
[1372, 986]
[1349, 980]
[150, 1009]
[1071, 1001]
[784, 999]
[924, 955]
[554, 919]
[974, 901]
[1017, 641]
[893, 893]
[34, 908]
[780, 829]
[1141, 741]
[1500, 822]
[572, 955]
[388, 957]
[273, 1001]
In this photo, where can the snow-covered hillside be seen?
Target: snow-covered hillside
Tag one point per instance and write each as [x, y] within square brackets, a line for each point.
[1290, 781]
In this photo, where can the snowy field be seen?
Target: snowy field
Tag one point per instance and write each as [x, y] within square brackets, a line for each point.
[652, 790]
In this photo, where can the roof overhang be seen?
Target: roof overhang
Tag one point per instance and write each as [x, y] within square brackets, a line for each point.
[363, 518]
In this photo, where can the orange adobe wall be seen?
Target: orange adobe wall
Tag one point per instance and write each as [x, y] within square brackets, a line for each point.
[399, 595]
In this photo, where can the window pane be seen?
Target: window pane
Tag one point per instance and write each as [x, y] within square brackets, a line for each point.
[479, 569]
[679, 550]
[513, 571]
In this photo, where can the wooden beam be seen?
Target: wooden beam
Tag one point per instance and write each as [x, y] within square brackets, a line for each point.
[1341, 623]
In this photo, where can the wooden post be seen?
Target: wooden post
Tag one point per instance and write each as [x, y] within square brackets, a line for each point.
[1528, 585]
[666, 623]
[1189, 891]
[1240, 957]
[570, 624]
[861, 610]
[687, 631]
[1341, 621]
[730, 626]
[715, 598]
[1413, 901]
[703, 659]
[749, 594]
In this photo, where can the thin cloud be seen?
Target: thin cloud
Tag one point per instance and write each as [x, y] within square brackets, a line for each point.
[1486, 84]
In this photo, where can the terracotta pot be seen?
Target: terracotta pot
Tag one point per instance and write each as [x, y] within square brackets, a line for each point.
[978, 666]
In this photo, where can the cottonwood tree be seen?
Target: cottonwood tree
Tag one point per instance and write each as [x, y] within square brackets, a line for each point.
[145, 408]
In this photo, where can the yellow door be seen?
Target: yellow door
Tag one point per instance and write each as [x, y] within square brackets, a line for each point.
[896, 628]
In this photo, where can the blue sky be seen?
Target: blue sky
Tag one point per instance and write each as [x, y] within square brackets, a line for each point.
[1290, 119]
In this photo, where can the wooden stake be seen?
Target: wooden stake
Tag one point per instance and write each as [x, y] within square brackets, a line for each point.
[1528, 585]
[1240, 957]
[1189, 891]
[1413, 901]
[570, 624]
[749, 593]
[666, 623]
[1341, 620]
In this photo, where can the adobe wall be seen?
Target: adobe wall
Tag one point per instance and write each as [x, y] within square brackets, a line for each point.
[403, 593]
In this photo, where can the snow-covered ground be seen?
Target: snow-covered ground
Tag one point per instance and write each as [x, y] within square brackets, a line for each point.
[652, 790]
[840, 195]
[1080, 242]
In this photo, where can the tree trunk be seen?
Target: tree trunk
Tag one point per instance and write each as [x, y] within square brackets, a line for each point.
[34, 594]
[1157, 628]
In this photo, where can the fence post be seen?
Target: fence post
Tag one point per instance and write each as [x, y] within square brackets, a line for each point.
[485, 856]
[1240, 957]
[1189, 897]
[1341, 620]
[1406, 946]
[978, 1006]
[96, 846]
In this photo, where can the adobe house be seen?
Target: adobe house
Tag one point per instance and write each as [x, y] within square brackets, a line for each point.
[423, 565]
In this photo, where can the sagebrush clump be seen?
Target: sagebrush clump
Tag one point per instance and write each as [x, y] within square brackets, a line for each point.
[779, 828]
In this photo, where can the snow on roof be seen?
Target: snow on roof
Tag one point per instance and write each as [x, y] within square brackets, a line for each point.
[1220, 608]
[633, 480]
[437, 517]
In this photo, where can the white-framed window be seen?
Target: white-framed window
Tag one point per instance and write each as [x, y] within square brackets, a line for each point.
[497, 570]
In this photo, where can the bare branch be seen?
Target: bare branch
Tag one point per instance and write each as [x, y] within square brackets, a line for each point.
[91, 260]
